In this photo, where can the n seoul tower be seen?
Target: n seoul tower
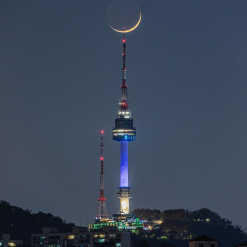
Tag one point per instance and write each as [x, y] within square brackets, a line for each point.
[124, 132]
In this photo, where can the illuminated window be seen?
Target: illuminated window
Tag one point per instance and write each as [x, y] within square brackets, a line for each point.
[101, 240]
[11, 244]
[71, 237]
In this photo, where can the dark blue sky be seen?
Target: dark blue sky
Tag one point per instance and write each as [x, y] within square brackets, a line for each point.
[60, 75]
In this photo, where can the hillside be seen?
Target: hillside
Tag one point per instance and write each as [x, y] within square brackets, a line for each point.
[22, 223]
[180, 225]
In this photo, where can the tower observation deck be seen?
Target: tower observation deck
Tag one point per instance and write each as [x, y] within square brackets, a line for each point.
[124, 132]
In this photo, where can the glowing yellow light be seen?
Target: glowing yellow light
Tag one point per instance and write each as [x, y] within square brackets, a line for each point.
[71, 237]
[124, 205]
[131, 29]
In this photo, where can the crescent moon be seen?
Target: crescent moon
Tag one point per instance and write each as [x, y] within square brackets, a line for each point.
[131, 29]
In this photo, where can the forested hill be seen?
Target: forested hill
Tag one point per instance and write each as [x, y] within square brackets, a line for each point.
[22, 223]
[180, 225]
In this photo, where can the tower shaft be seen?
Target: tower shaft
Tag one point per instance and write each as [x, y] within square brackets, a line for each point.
[102, 213]
[124, 193]
[124, 169]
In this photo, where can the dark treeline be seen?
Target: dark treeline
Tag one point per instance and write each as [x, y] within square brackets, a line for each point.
[22, 223]
[180, 225]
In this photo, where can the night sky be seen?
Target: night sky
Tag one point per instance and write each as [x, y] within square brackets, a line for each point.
[60, 76]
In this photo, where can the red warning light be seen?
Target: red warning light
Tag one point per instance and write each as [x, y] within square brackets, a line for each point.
[124, 40]
[102, 131]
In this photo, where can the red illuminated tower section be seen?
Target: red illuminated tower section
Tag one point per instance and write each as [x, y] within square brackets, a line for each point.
[102, 213]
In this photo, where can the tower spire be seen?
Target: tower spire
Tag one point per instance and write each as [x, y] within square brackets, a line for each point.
[123, 102]
[102, 213]
[124, 48]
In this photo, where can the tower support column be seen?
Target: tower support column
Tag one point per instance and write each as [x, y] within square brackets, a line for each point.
[124, 190]
[124, 169]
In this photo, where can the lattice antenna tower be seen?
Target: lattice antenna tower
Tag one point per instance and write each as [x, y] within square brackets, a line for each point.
[102, 213]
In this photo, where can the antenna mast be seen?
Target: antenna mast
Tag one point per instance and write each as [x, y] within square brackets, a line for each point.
[102, 213]
[123, 102]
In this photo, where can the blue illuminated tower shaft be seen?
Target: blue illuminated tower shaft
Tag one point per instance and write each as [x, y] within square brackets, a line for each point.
[124, 132]
[124, 169]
